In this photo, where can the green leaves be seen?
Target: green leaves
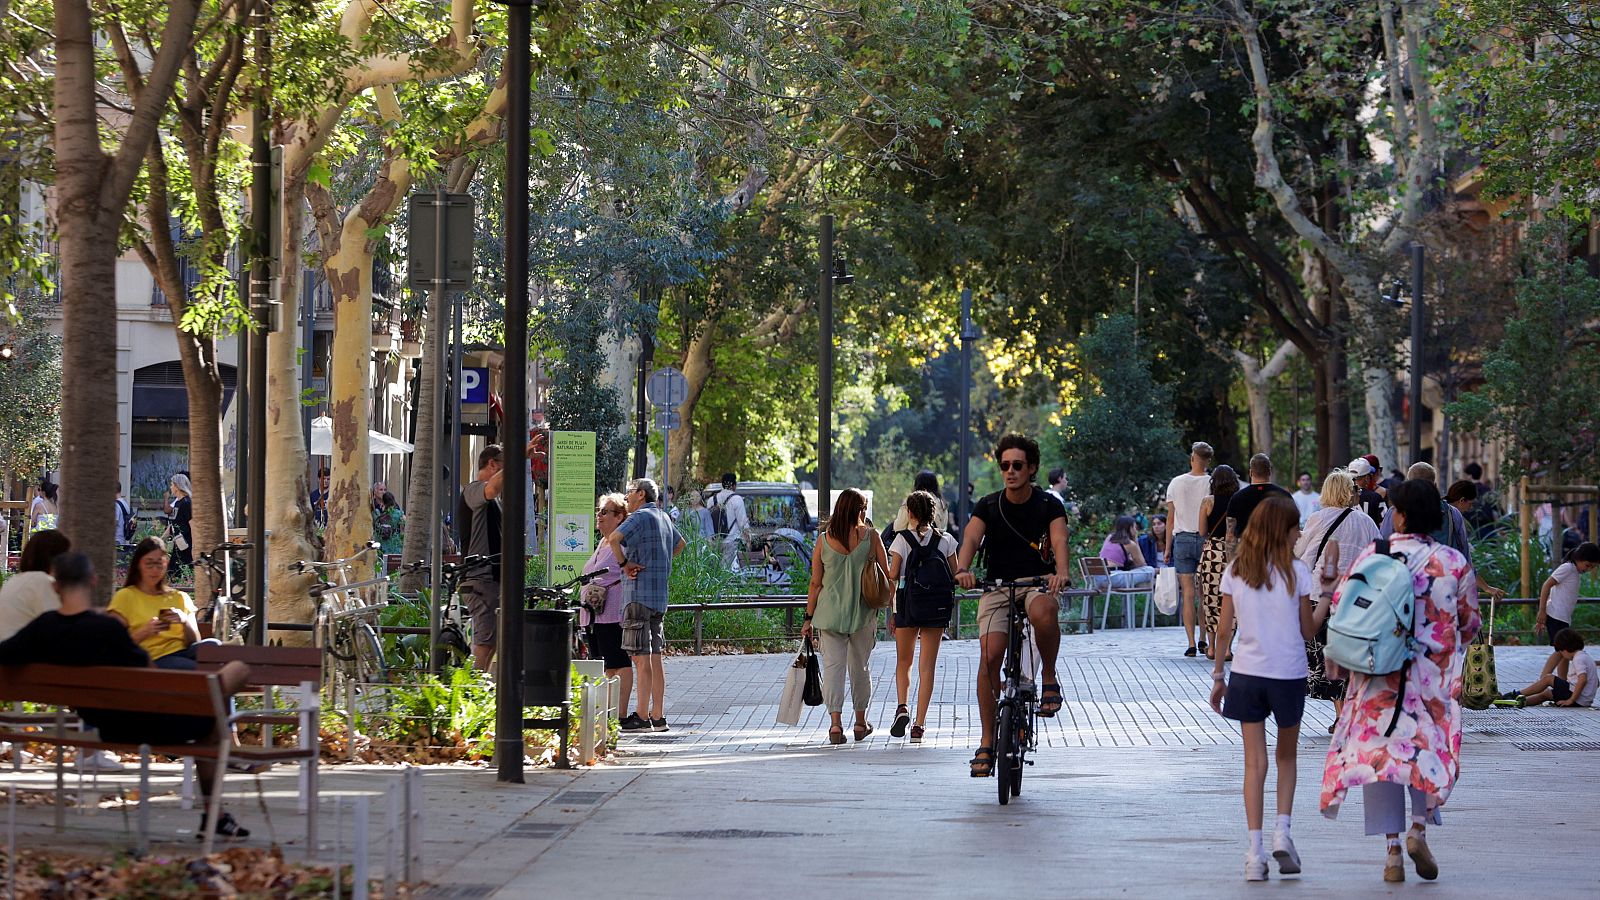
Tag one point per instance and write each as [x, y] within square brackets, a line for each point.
[1540, 384]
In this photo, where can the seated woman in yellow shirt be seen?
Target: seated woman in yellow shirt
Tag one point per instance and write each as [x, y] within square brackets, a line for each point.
[160, 618]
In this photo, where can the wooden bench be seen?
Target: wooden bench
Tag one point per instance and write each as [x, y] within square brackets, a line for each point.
[271, 670]
[157, 692]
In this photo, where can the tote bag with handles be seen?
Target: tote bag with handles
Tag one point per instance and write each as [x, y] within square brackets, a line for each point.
[1479, 688]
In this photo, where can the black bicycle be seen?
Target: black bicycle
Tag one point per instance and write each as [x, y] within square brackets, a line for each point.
[559, 596]
[1017, 712]
[452, 623]
[228, 613]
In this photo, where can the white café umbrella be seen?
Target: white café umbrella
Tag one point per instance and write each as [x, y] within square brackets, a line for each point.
[322, 439]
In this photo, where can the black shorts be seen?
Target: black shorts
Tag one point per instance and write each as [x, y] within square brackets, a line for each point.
[1560, 689]
[118, 727]
[1553, 627]
[605, 642]
[1250, 698]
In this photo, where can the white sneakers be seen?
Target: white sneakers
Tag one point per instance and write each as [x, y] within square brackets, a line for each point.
[1283, 851]
[99, 761]
[1255, 867]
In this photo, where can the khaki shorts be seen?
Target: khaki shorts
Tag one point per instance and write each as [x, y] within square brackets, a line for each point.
[994, 609]
[482, 599]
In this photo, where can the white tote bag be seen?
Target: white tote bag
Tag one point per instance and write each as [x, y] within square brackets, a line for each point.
[792, 704]
[1167, 590]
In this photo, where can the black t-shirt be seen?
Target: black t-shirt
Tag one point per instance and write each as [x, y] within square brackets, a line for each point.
[85, 639]
[1372, 502]
[1011, 531]
[1245, 501]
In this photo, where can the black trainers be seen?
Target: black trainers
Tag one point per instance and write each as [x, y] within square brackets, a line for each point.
[227, 827]
[659, 725]
[634, 723]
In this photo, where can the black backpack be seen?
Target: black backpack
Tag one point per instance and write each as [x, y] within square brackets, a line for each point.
[719, 512]
[930, 592]
[129, 523]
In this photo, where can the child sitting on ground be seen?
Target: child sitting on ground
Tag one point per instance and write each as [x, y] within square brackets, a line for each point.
[1569, 677]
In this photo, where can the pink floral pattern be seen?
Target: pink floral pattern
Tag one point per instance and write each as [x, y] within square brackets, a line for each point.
[1424, 751]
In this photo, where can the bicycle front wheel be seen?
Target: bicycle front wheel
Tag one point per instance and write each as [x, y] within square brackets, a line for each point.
[1021, 737]
[1005, 750]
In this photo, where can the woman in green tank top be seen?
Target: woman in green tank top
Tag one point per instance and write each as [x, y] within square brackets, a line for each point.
[843, 624]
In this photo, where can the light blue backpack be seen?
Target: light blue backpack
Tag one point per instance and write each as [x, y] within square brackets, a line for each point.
[1371, 629]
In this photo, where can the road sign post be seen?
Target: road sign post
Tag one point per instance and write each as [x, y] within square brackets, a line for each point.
[666, 390]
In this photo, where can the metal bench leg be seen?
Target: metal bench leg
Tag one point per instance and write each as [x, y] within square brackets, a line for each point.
[144, 798]
[187, 792]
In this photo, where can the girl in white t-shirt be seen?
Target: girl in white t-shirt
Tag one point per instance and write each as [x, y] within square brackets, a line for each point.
[1269, 592]
[923, 606]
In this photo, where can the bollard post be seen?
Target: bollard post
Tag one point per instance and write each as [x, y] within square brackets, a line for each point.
[391, 861]
[358, 850]
[413, 788]
[144, 800]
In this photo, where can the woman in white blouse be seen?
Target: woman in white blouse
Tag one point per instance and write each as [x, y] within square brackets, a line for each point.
[1339, 521]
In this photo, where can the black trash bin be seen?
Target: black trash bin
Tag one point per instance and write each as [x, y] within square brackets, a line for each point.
[546, 656]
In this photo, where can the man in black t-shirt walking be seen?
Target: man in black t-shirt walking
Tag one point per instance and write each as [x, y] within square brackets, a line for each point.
[1246, 499]
[1023, 531]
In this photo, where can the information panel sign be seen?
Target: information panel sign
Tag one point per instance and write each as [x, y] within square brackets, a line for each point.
[571, 506]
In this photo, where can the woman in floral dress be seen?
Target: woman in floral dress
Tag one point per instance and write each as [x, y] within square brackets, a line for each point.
[1421, 757]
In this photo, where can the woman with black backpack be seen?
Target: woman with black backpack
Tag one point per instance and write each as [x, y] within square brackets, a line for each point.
[927, 558]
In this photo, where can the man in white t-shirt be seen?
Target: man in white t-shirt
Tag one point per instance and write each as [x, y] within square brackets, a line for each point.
[728, 506]
[1305, 499]
[1184, 495]
[1569, 677]
[1558, 596]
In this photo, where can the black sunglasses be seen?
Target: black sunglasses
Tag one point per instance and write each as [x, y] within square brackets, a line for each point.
[1007, 465]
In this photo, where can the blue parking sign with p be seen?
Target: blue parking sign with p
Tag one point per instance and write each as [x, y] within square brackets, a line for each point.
[474, 385]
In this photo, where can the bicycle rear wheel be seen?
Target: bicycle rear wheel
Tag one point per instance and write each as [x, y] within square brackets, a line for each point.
[1005, 750]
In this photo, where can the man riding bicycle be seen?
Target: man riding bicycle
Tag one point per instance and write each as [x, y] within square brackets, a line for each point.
[1023, 531]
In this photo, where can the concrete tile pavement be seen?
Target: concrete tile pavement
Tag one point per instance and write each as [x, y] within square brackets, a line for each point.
[1135, 791]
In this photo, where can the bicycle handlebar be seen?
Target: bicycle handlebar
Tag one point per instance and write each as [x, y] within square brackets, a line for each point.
[1000, 584]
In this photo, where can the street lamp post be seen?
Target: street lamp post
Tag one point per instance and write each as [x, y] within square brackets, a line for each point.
[1417, 319]
[825, 371]
[508, 747]
[262, 222]
[969, 333]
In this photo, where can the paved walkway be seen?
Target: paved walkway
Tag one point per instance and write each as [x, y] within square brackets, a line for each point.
[1135, 792]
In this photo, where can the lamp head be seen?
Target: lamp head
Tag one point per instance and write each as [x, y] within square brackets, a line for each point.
[841, 272]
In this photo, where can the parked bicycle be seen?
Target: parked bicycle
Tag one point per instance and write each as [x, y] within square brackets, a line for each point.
[559, 596]
[1016, 715]
[453, 637]
[229, 615]
[346, 628]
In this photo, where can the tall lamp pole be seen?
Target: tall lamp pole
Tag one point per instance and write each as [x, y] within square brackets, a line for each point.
[1417, 319]
[508, 747]
[825, 371]
[262, 223]
[969, 333]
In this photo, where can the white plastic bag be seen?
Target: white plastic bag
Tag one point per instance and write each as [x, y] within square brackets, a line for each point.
[792, 704]
[1167, 590]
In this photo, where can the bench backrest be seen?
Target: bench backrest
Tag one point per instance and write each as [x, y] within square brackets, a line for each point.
[124, 688]
[277, 666]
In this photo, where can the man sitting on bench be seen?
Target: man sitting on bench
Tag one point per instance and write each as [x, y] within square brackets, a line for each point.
[78, 635]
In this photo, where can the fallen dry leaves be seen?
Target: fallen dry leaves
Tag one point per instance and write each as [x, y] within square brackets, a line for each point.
[236, 872]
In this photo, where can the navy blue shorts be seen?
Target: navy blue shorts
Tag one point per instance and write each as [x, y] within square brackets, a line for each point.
[1560, 689]
[1250, 698]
